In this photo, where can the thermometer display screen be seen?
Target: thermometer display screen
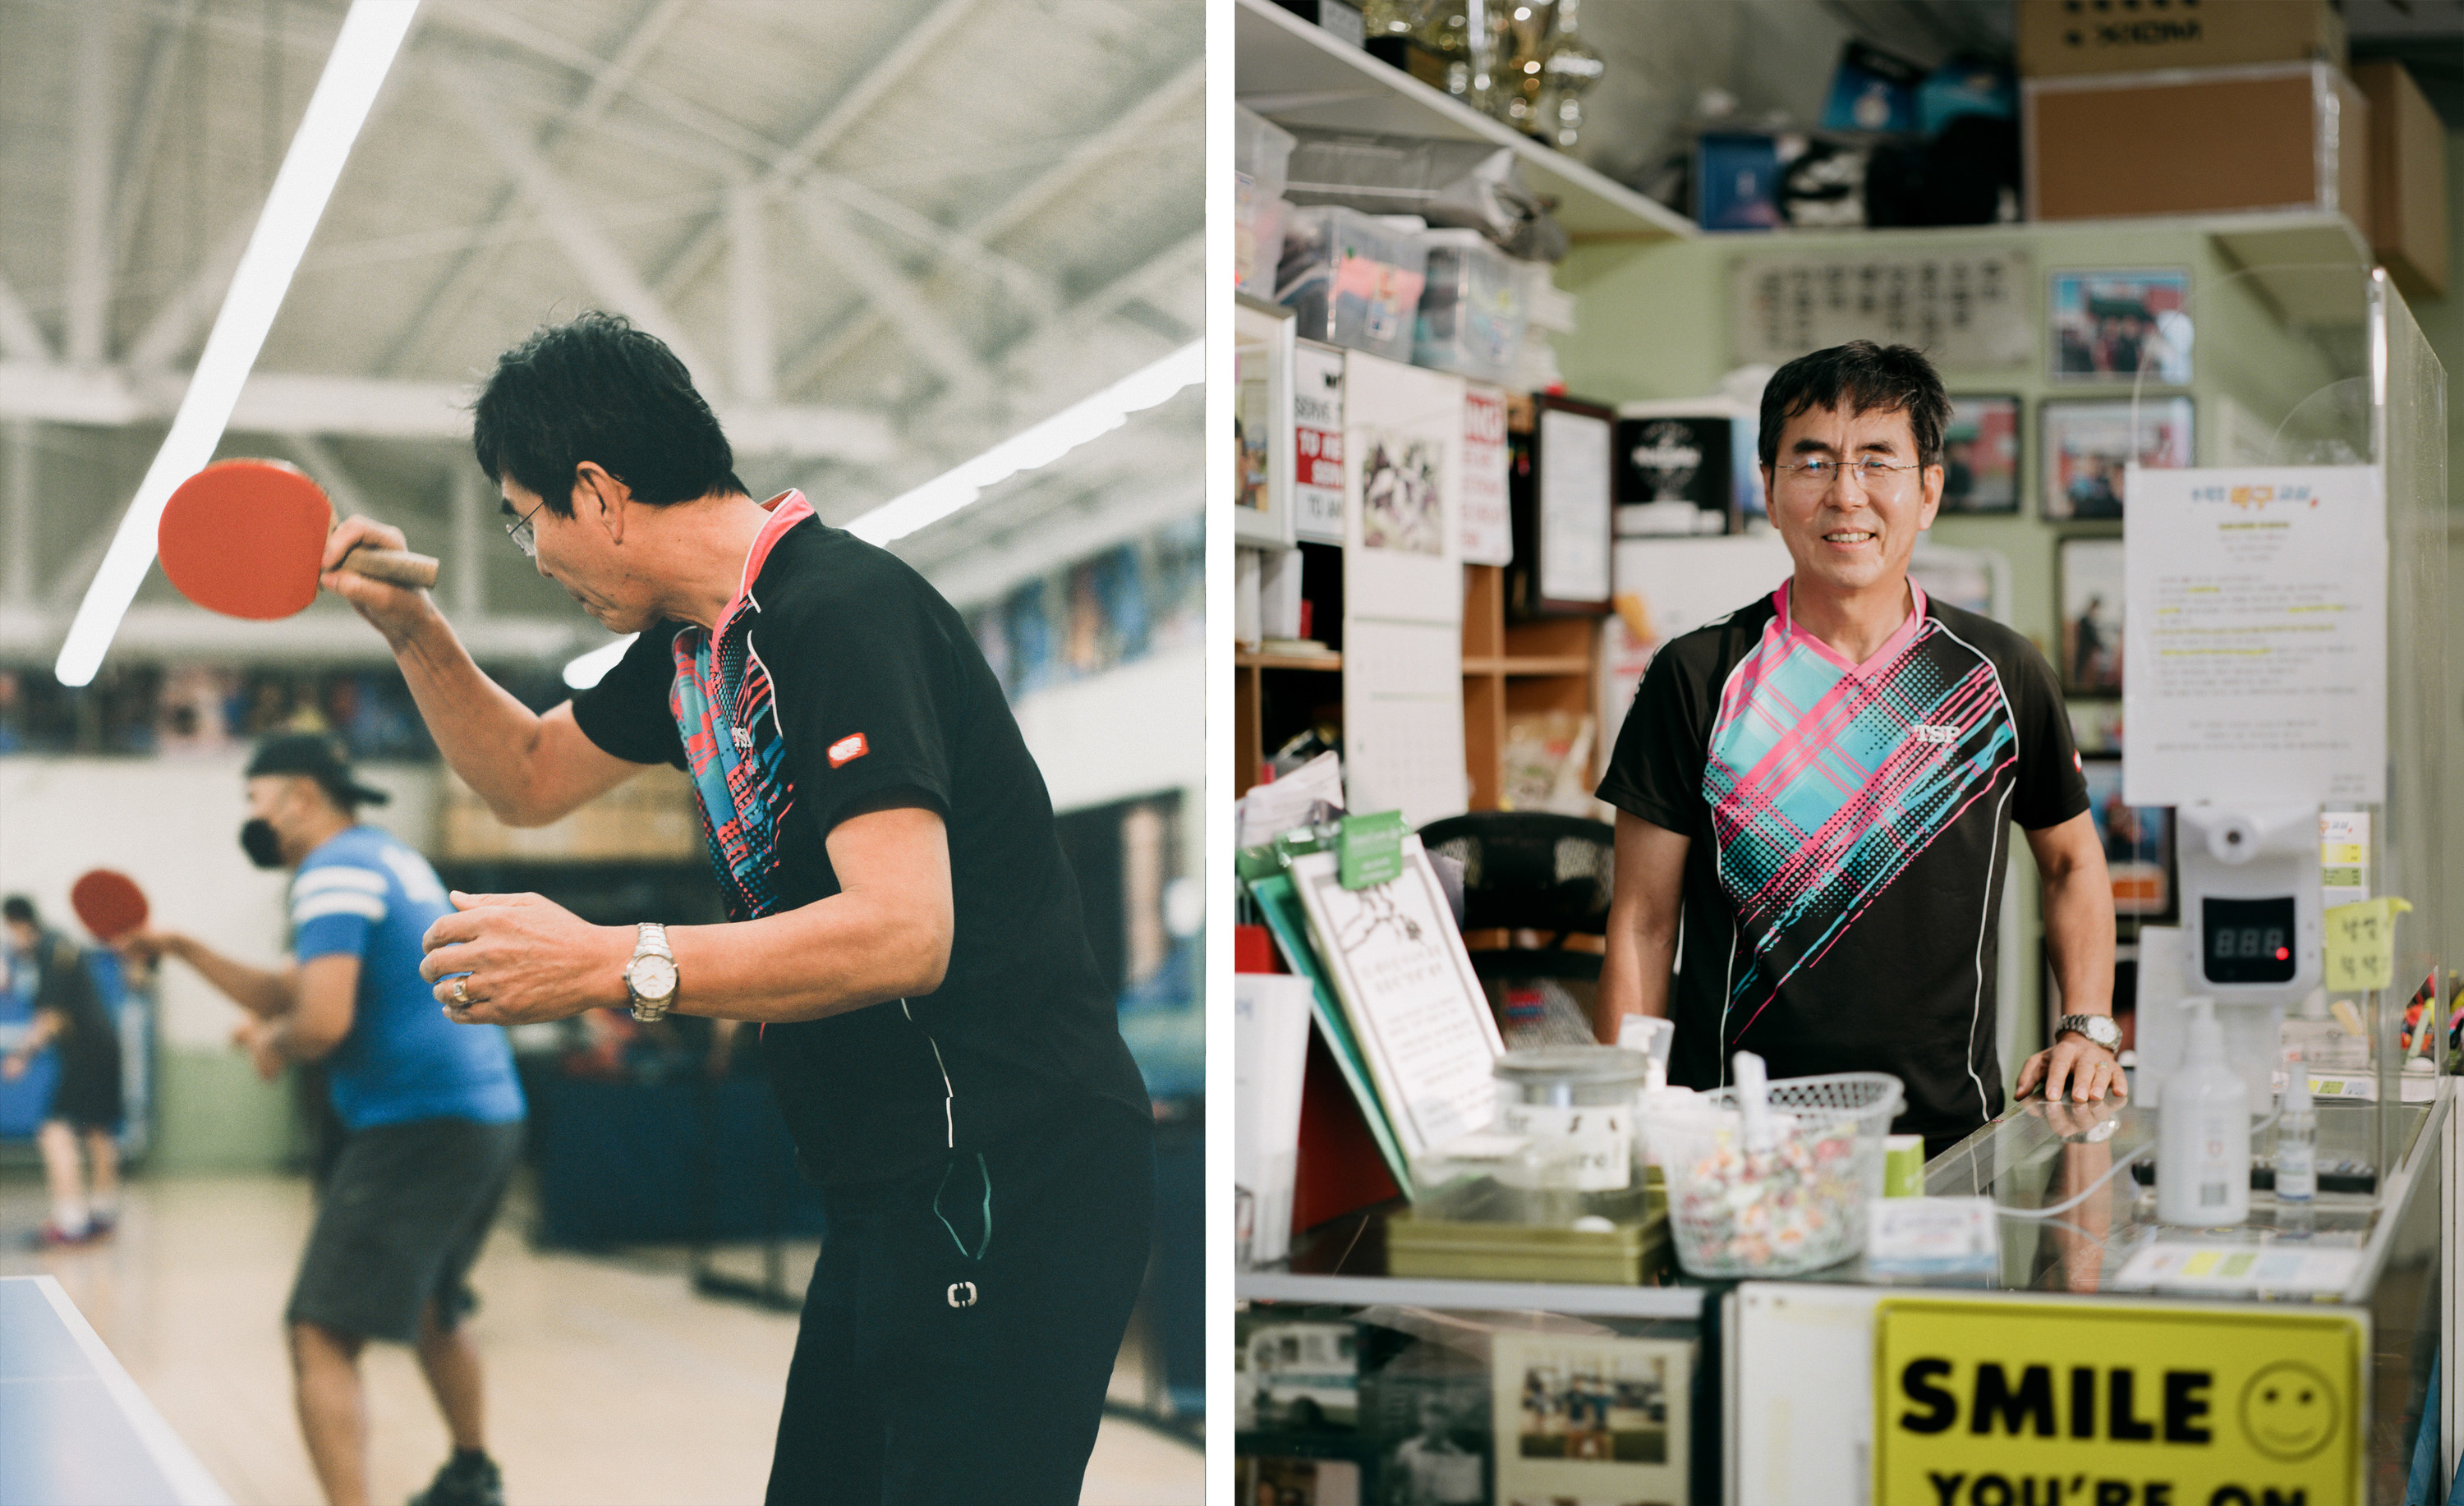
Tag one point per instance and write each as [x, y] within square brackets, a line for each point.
[2246, 941]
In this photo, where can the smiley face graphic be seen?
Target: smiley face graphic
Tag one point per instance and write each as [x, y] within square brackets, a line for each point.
[2288, 1411]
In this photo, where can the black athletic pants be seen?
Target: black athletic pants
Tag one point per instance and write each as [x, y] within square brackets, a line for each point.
[923, 1377]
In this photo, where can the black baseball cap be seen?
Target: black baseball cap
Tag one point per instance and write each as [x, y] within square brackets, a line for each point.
[317, 757]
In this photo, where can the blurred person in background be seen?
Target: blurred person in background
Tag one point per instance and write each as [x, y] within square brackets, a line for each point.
[85, 1106]
[434, 1110]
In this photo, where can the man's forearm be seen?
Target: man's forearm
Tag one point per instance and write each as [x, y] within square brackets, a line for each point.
[261, 992]
[484, 733]
[1633, 980]
[2079, 940]
[846, 953]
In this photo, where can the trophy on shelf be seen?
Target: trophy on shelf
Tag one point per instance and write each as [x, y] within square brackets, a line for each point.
[1523, 61]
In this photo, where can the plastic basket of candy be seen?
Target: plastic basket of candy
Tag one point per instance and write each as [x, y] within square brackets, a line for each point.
[1769, 1179]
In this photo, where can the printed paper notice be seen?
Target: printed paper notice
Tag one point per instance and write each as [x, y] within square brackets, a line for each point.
[2256, 636]
[1488, 527]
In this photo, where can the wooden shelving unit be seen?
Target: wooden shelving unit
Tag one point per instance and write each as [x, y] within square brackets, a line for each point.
[1511, 669]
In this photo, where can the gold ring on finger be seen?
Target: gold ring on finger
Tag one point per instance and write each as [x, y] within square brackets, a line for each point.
[461, 993]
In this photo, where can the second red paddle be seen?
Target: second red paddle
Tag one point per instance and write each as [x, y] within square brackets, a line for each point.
[108, 904]
[245, 538]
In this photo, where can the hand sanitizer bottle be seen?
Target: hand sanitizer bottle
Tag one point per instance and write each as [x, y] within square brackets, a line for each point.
[2203, 1133]
[2297, 1138]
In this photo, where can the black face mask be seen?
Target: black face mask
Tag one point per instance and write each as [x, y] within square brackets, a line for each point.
[264, 848]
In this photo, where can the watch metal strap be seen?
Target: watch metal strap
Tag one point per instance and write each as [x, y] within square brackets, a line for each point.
[650, 940]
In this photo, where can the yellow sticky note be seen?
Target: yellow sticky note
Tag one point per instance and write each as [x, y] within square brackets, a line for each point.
[2361, 945]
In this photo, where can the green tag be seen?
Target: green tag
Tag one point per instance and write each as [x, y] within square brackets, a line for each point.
[1371, 849]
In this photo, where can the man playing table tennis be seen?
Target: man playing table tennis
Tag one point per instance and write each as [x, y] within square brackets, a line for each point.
[901, 921]
[1814, 793]
[434, 1113]
[85, 1103]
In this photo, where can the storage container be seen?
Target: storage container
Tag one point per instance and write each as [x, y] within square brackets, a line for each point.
[1354, 279]
[1791, 1198]
[1261, 153]
[1471, 316]
[2296, 136]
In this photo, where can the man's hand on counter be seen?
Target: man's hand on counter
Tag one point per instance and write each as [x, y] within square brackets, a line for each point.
[2077, 1068]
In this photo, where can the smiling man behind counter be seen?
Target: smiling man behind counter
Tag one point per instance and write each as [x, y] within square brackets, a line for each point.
[1815, 792]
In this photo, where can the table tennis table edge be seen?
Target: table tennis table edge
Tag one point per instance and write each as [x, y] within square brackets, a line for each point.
[181, 1468]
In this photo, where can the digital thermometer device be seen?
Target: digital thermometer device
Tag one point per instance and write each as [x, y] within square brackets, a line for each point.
[2250, 901]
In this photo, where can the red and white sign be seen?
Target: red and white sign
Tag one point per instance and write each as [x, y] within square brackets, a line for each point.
[848, 749]
[1488, 531]
[1317, 444]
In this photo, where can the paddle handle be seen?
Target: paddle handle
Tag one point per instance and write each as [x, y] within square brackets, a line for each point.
[400, 566]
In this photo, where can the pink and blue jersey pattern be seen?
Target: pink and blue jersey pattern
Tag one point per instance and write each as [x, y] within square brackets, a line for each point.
[726, 711]
[1826, 781]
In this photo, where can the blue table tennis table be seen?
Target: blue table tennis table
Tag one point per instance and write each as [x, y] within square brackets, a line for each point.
[75, 1431]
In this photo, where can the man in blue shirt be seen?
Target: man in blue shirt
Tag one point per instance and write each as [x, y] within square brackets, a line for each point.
[434, 1111]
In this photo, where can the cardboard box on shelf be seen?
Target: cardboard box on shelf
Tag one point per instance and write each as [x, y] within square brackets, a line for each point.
[649, 818]
[2064, 37]
[2407, 223]
[2289, 137]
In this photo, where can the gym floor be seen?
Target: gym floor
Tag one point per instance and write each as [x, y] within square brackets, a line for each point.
[609, 1381]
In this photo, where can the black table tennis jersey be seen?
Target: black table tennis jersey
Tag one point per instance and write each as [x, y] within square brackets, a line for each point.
[836, 675]
[1849, 829]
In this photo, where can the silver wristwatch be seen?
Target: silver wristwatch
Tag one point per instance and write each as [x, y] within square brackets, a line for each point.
[651, 977]
[2098, 1028]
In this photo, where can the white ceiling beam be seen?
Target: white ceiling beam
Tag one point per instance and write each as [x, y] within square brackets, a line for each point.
[753, 353]
[638, 45]
[87, 274]
[180, 633]
[870, 87]
[577, 233]
[375, 408]
[17, 520]
[896, 294]
[183, 317]
[467, 590]
[135, 175]
[471, 272]
[21, 338]
[1131, 131]
[329, 472]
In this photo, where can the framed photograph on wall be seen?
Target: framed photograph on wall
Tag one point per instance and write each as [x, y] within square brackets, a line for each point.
[1262, 420]
[2138, 842]
[2090, 593]
[1980, 455]
[1586, 1419]
[2107, 325]
[2090, 445]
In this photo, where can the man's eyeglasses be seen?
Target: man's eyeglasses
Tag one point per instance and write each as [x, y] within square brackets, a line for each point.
[1817, 475]
[521, 533]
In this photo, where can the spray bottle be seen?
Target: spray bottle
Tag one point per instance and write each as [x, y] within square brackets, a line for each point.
[2297, 1138]
[2203, 1131]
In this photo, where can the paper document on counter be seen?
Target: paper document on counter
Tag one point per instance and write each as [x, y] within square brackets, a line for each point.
[2255, 636]
[1398, 964]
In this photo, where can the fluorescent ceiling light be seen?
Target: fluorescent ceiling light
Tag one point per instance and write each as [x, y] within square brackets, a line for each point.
[363, 52]
[1040, 444]
[593, 666]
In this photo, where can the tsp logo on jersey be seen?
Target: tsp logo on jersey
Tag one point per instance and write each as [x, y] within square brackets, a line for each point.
[847, 750]
[1945, 735]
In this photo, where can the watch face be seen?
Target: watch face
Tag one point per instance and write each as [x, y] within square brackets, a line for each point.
[653, 977]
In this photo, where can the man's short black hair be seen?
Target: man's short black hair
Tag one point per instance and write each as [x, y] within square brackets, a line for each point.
[1860, 377]
[18, 908]
[598, 389]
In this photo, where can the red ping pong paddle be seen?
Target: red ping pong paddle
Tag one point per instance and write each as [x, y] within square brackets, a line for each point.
[244, 538]
[108, 904]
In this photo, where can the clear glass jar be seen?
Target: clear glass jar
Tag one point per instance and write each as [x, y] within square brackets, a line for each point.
[1578, 1102]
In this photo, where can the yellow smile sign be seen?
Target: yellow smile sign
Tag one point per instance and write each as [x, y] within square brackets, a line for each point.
[2061, 1404]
